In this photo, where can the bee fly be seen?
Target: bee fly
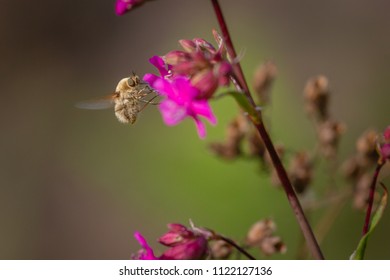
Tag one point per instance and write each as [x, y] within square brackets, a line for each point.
[127, 100]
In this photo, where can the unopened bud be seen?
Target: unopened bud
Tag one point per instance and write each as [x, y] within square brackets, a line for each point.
[223, 71]
[187, 45]
[206, 82]
[176, 57]
[204, 45]
[384, 146]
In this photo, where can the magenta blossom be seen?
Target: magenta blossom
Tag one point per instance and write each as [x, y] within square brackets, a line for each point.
[123, 6]
[384, 147]
[183, 243]
[181, 100]
[207, 67]
[147, 252]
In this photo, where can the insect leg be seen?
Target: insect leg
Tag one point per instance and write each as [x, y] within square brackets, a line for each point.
[147, 102]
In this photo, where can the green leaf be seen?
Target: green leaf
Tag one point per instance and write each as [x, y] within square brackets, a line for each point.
[243, 102]
[358, 254]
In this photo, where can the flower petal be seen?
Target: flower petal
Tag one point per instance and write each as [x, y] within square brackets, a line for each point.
[203, 109]
[200, 127]
[123, 6]
[386, 134]
[150, 78]
[195, 249]
[385, 151]
[147, 252]
[172, 112]
[159, 63]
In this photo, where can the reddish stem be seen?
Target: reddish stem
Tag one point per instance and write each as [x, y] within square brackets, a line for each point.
[291, 196]
[231, 51]
[371, 198]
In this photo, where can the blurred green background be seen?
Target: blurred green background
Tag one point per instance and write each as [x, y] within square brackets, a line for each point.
[76, 184]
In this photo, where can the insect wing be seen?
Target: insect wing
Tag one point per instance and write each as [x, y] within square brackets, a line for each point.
[98, 104]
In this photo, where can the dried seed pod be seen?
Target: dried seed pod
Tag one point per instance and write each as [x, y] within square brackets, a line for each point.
[235, 133]
[272, 245]
[366, 147]
[259, 231]
[262, 81]
[220, 250]
[261, 235]
[361, 191]
[351, 169]
[301, 171]
[256, 145]
[329, 133]
[316, 95]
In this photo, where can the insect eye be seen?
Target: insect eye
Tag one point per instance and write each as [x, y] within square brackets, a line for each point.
[136, 78]
[130, 82]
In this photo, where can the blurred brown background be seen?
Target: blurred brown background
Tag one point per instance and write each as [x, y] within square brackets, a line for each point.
[76, 184]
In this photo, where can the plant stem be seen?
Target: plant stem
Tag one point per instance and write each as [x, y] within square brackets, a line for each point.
[231, 51]
[366, 225]
[231, 242]
[291, 196]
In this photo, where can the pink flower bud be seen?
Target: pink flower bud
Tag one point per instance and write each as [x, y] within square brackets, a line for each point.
[188, 45]
[222, 71]
[206, 82]
[194, 249]
[184, 244]
[177, 234]
[176, 57]
[204, 45]
[385, 151]
[386, 134]
[384, 146]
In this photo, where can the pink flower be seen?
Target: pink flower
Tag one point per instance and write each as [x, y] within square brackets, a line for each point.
[147, 252]
[123, 6]
[385, 151]
[183, 243]
[181, 101]
[386, 134]
[202, 63]
[384, 146]
[163, 69]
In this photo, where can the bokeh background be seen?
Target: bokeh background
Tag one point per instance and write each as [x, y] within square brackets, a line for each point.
[76, 184]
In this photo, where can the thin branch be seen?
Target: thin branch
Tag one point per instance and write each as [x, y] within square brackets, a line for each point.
[242, 250]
